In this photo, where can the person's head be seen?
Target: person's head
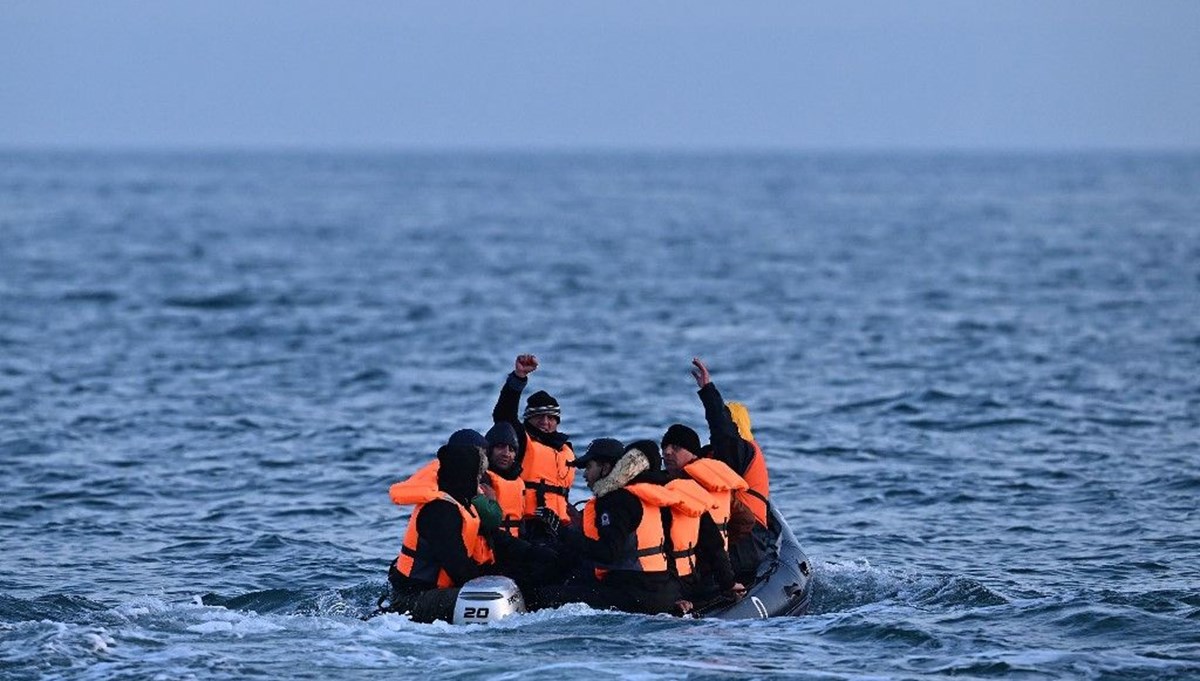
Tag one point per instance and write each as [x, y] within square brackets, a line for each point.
[542, 412]
[502, 447]
[655, 472]
[654, 457]
[458, 470]
[469, 437]
[599, 458]
[680, 445]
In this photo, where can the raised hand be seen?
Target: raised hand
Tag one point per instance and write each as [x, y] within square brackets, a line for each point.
[700, 372]
[525, 365]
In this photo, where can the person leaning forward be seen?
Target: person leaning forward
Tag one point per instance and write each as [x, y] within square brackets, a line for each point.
[544, 454]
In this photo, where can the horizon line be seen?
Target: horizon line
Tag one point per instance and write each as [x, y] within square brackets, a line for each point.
[587, 149]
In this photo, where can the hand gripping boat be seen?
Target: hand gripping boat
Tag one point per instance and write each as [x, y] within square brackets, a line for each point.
[782, 587]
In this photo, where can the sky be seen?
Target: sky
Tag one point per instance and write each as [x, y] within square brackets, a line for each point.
[514, 74]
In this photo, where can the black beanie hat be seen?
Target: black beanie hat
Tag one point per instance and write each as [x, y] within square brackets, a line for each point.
[502, 434]
[458, 471]
[541, 402]
[682, 436]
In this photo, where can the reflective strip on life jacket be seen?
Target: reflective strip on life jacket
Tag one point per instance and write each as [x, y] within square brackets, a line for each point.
[547, 477]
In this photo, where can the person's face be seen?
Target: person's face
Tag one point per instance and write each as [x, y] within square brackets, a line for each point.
[594, 471]
[502, 457]
[545, 422]
[676, 458]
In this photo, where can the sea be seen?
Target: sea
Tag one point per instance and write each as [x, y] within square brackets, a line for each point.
[974, 376]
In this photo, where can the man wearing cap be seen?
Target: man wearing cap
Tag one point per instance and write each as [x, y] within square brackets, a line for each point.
[622, 533]
[544, 454]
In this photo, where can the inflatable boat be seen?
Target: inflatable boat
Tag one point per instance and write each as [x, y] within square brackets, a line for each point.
[782, 587]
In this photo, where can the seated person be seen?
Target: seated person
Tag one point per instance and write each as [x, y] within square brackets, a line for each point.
[622, 534]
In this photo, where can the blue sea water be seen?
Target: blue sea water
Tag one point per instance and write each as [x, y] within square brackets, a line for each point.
[975, 378]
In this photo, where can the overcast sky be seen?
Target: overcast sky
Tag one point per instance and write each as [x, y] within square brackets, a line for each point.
[761, 74]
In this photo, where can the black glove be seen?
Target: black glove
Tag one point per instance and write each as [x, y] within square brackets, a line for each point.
[549, 517]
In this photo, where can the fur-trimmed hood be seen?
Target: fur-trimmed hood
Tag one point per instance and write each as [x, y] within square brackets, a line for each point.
[629, 466]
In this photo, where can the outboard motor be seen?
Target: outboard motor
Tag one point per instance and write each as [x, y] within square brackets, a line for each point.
[488, 599]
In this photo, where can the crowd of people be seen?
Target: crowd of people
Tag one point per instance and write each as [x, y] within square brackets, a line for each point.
[672, 526]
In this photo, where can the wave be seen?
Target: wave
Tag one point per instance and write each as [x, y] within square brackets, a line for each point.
[222, 300]
[844, 586]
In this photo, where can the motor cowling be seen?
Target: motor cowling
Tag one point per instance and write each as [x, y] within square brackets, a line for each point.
[488, 599]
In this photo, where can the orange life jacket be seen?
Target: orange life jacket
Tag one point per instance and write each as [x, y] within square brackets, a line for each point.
[645, 550]
[547, 477]
[721, 482]
[413, 561]
[755, 497]
[510, 495]
[694, 502]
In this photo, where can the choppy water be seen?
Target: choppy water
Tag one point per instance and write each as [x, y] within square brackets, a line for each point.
[975, 377]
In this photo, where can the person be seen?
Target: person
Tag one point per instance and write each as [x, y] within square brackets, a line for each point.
[544, 454]
[443, 546]
[465, 437]
[622, 535]
[682, 454]
[697, 554]
[733, 444]
[454, 535]
[503, 479]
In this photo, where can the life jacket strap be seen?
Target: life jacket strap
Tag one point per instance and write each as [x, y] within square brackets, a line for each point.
[541, 488]
[651, 551]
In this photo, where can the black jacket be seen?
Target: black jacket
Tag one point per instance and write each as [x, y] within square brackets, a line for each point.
[618, 515]
[727, 443]
[439, 531]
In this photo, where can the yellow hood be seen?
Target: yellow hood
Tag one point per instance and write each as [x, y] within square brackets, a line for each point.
[741, 417]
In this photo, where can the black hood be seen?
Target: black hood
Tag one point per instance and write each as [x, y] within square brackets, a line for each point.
[458, 471]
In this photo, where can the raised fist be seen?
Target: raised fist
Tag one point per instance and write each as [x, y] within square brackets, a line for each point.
[524, 365]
